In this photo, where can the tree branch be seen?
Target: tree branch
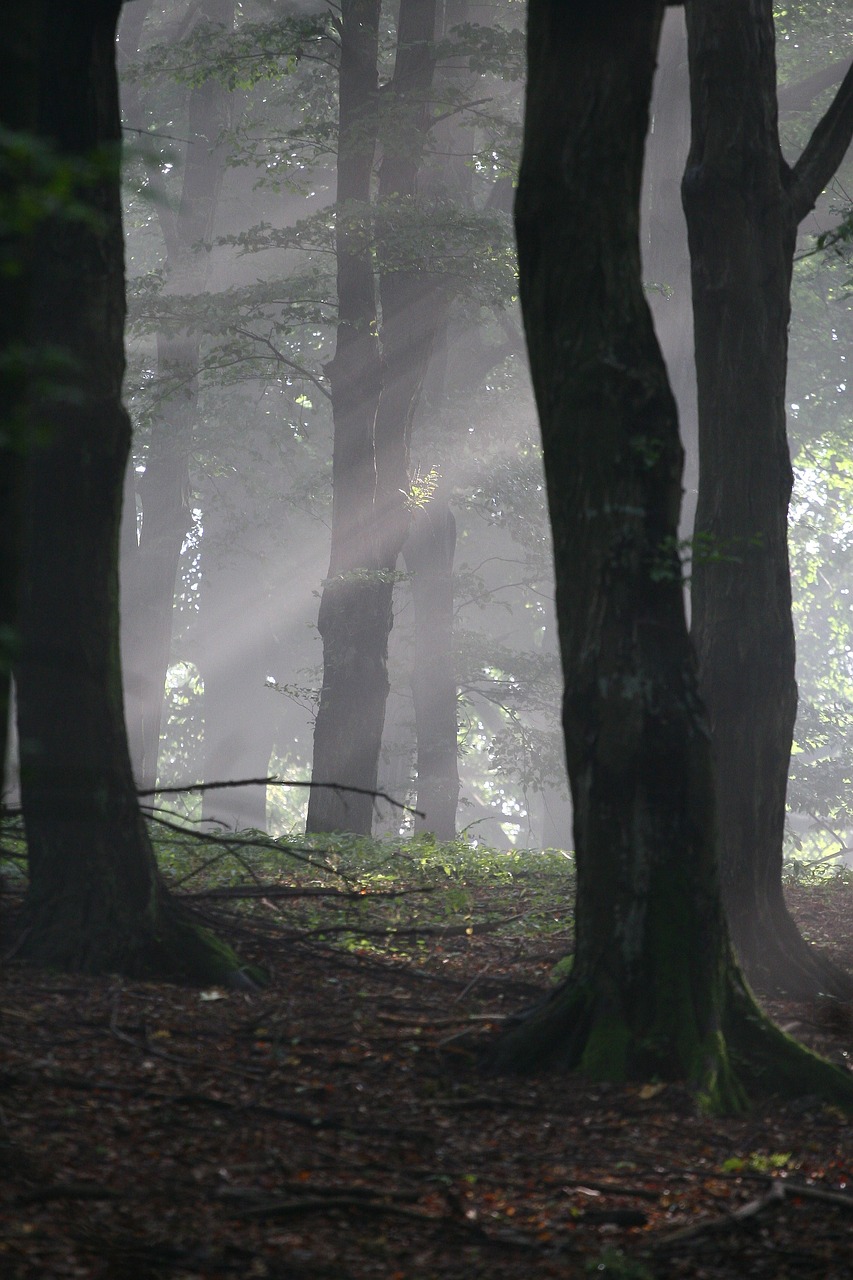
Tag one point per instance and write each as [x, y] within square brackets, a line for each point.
[282, 359]
[825, 150]
[800, 95]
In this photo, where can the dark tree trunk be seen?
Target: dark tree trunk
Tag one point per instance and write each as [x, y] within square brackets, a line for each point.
[654, 990]
[428, 553]
[353, 627]
[18, 113]
[150, 574]
[96, 901]
[743, 205]
[413, 308]
[374, 396]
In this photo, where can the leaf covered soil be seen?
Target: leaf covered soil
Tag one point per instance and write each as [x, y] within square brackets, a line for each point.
[336, 1124]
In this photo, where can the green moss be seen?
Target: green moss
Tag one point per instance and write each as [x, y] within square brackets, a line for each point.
[606, 1053]
[189, 952]
[718, 1090]
[769, 1061]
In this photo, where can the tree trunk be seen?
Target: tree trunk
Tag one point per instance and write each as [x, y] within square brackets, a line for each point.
[429, 553]
[743, 205]
[654, 990]
[348, 729]
[373, 415]
[18, 108]
[95, 901]
[165, 487]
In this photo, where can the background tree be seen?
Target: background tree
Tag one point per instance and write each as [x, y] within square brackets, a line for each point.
[18, 105]
[266, 329]
[164, 488]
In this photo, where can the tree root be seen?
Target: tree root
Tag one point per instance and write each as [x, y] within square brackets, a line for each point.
[747, 1057]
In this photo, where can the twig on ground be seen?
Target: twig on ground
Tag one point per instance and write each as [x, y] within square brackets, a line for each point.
[780, 1190]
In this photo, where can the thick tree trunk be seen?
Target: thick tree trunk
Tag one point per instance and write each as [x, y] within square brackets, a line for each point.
[150, 575]
[428, 553]
[95, 901]
[742, 225]
[654, 990]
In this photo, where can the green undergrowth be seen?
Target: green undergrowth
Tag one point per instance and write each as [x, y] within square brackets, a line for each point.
[418, 898]
[818, 871]
[386, 896]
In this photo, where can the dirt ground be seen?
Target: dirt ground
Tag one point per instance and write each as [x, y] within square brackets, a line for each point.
[335, 1125]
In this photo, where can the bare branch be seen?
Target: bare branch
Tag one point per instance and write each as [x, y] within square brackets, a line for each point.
[825, 150]
[282, 359]
[800, 95]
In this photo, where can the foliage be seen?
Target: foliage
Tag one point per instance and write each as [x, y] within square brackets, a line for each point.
[241, 59]
[265, 341]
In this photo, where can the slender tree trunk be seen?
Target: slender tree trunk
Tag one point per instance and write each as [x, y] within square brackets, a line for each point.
[18, 113]
[352, 624]
[428, 553]
[95, 901]
[165, 488]
[373, 414]
[743, 205]
[413, 308]
[654, 990]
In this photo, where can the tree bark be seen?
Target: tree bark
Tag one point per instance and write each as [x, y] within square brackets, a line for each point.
[743, 205]
[18, 111]
[654, 989]
[428, 553]
[348, 729]
[96, 901]
[375, 392]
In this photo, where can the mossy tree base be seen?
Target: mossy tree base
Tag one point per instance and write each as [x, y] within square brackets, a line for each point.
[168, 944]
[744, 1057]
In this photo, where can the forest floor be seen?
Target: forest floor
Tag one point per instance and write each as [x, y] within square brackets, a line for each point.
[335, 1124]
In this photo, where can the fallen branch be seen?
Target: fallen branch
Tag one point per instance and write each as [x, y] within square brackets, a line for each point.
[412, 931]
[67, 1191]
[780, 1190]
[287, 891]
[280, 782]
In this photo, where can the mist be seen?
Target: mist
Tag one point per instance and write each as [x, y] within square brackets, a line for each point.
[232, 331]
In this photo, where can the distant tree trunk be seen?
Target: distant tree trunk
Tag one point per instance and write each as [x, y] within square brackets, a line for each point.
[95, 901]
[18, 112]
[353, 627]
[149, 578]
[743, 206]
[654, 990]
[374, 396]
[413, 308]
[428, 553]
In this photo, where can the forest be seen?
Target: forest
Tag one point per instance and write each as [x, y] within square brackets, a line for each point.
[426, 648]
